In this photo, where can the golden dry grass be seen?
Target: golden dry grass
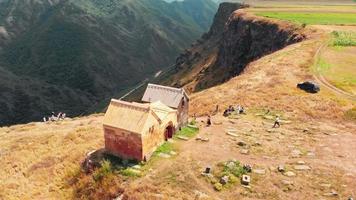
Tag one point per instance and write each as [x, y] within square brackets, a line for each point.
[36, 157]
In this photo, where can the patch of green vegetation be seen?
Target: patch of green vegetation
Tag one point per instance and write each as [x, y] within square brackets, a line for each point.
[312, 17]
[343, 39]
[232, 169]
[130, 172]
[323, 65]
[187, 132]
[351, 114]
[218, 186]
[167, 147]
[104, 171]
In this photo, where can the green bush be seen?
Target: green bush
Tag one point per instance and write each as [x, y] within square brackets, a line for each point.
[341, 38]
[104, 171]
[164, 148]
[218, 186]
[237, 170]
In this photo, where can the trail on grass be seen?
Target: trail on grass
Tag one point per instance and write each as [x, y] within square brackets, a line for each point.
[321, 79]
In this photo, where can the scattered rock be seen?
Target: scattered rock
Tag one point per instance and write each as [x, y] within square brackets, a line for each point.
[164, 155]
[200, 195]
[224, 180]
[193, 126]
[173, 153]
[120, 197]
[136, 167]
[259, 171]
[309, 86]
[231, 134]
[245, 179]
[159, 196]
[289, 174]
[311, 154]
[301, 167]
[325, 185]
[300, 162]
[183, 138]
[286, 182]
[241, 143]
[332, 193]
[296, 153]
[281, 168]
[257, 144]
[244, 151]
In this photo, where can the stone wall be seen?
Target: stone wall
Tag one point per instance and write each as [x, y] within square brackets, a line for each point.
[123, 143]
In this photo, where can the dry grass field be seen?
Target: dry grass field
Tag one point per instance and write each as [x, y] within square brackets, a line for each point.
[36, 157]
[41, 160]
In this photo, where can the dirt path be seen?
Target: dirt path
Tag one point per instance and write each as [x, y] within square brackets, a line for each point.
[321, 79]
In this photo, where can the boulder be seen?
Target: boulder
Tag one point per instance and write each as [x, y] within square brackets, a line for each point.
[289, 174]
[309, 86]
[302, 167]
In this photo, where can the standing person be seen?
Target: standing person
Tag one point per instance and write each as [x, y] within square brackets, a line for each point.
[277, 122]
[53, 117]
[217, 109]
[242, 110]
[59, 115]
[208, 121]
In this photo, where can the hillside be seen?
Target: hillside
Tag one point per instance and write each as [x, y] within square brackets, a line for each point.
[92, 49]
[311, 156]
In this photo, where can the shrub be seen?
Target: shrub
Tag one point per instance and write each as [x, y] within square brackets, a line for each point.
[341, 38]
[218, 186]
[104, 171]
[237, 170]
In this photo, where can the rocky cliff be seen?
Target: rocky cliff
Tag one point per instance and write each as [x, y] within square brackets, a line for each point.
[235, 39]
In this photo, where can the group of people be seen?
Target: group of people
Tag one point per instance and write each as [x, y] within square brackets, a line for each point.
[54, 117]
[230, 110]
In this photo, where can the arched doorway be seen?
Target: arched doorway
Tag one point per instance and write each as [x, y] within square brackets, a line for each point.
[168, 134]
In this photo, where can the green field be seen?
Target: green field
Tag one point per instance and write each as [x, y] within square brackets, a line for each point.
[312, 17]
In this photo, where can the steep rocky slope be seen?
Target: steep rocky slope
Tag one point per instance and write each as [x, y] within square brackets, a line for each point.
[94, 49]
[232, 42]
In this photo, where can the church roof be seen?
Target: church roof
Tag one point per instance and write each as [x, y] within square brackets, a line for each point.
[167, 95]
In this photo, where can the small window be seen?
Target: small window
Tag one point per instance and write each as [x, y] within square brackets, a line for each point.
[151, 129]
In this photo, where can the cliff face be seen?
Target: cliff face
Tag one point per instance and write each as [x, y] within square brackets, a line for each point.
[235, 39]
[247, 37]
